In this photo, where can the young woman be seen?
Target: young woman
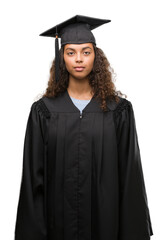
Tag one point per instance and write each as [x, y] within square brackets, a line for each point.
[82, 174]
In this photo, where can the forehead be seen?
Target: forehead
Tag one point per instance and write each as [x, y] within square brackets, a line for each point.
[78, 46]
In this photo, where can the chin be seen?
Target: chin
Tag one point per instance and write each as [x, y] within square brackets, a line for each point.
[79, 76]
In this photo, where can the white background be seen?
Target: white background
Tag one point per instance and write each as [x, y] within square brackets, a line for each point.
[136, 44]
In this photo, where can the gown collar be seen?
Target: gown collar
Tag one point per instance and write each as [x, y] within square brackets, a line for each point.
[64, 103]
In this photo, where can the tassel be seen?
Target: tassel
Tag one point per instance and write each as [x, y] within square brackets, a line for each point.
[56, 58]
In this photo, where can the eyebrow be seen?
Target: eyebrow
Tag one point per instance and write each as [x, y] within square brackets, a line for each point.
[74, 49]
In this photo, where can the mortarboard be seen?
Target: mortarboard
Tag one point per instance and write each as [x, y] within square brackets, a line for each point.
[75, 30]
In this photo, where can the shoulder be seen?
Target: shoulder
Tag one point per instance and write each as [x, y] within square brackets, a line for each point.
[40, 106]
[120, 106]
[122, 111]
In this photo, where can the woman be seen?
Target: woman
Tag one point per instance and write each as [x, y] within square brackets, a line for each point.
[82, 174]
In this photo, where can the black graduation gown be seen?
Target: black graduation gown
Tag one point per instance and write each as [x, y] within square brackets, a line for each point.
[82, 175]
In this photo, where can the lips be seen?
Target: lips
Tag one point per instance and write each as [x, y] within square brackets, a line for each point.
[79, 69]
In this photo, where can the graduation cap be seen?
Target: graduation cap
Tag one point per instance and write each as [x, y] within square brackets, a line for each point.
[75, 30]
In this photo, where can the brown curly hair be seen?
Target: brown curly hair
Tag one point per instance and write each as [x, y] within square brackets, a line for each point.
[101, 79]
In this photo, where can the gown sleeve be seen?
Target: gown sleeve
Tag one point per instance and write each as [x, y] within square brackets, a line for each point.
[134, 217]
[30, 221]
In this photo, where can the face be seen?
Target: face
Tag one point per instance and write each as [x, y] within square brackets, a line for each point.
[79, 59]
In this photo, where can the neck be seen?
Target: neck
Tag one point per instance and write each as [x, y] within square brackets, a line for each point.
[79, 88]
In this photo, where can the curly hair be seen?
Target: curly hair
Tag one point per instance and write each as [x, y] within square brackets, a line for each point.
[101, 79]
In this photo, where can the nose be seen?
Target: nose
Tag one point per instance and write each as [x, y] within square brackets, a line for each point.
[79, 57]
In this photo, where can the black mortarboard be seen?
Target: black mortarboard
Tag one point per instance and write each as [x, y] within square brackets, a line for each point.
[75, 30]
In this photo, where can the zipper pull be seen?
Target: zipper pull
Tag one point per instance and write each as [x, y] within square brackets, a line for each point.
[81, 115]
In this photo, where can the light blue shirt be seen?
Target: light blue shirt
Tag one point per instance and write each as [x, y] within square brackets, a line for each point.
[80, 104]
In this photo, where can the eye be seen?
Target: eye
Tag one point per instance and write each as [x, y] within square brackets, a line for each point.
[69, 53]
[87, 53]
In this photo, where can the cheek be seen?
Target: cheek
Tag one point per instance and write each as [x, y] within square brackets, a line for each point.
[68, 63]
[90, 62]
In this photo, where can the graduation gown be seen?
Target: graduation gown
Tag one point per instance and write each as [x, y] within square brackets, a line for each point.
[82, 176]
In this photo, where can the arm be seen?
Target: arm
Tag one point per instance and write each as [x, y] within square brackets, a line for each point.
[30, 222]
[135, 223]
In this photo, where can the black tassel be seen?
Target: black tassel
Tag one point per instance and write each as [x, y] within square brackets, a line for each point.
[56, 59]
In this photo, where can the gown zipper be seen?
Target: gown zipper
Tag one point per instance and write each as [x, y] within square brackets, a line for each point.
[80, 115]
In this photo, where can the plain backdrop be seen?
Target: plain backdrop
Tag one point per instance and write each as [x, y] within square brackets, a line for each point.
[136, 45]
